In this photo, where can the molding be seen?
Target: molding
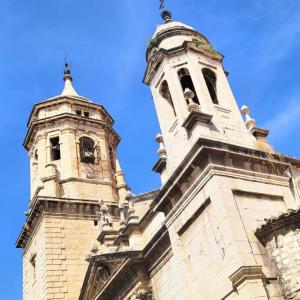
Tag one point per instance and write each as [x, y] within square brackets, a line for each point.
[160, 165]
[126, 269]
[194, 217]
[71, 100]
[65, 116]
[274, 226]
[259, 132]
[85, 180]
[246, 273]
[213, 170]
[154, 62]
[231, 160]
[196, 117]
[161, 262]
[56, 206]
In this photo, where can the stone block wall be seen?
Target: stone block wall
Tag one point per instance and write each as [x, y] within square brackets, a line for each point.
[61, 245]
[34, 287]
[166, 283]
[212, 237]
[281, 237]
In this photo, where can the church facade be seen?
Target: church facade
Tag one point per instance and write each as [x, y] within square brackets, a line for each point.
[225, 223]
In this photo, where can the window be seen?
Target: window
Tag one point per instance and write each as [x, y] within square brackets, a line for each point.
[112, 159]
[55, 148]
[211, 80]
[78, 112]
[87, 150]
[165, 93]
[187, 83]
[86, 114]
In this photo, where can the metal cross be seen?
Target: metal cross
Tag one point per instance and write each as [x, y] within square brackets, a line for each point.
[162, 6]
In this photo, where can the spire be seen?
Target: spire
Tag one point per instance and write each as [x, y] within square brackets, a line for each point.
[166, 16]
[68, 89]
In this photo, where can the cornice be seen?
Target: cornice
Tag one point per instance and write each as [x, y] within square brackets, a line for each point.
[174, 31]
[216, 154]
[273, 226]
[70, 100]
[65, 116]
[155, 61]
[246, 273]
[56, 206]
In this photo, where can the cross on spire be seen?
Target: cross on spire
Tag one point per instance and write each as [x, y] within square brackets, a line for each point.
[162, 4]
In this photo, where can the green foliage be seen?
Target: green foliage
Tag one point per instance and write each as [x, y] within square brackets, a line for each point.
[152, 42]
[206, 47]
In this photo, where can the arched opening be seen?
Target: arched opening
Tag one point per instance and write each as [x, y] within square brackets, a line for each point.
[87, 150]
[211, 83]
[165, 93]
[187, 83]
[112, 158]
[55, 148]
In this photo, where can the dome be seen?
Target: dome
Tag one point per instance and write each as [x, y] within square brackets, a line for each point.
[171, 25]
[173, 34]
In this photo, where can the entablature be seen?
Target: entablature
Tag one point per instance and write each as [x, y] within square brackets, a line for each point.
[37, 125]
[50, 205]
[208, 155]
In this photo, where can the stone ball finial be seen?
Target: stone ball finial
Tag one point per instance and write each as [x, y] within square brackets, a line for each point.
[188, 94]
[166, 16]
[245, 110]
[129, 195]
[67, 69]
[162, 153]
[67, 72]
[249, 122]
[159, 138]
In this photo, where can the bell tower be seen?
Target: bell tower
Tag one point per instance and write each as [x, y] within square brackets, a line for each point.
[191, 93]
[74, 170]
[72, 148]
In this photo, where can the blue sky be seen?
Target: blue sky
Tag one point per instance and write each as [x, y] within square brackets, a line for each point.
[105, 42]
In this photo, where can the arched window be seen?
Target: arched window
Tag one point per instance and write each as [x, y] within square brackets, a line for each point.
[55, 148]
[211, 83]
[165, 93]
[112, 159]
[187, 82]
[87, 150]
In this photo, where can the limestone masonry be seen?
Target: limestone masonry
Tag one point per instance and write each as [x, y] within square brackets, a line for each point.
[225, 223]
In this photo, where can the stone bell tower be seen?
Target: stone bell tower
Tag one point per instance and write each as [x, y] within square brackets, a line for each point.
[223, 186]
[191, 94]
[73, 168]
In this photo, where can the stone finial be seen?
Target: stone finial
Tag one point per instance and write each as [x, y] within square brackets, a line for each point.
[105, 218]
[188, 96]
[250, 123]
[123, 208]
[162, 150]
[129, 195]
[122, 187]
[132, 217]
[166, 16]
[67, 72]
[68, 88]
